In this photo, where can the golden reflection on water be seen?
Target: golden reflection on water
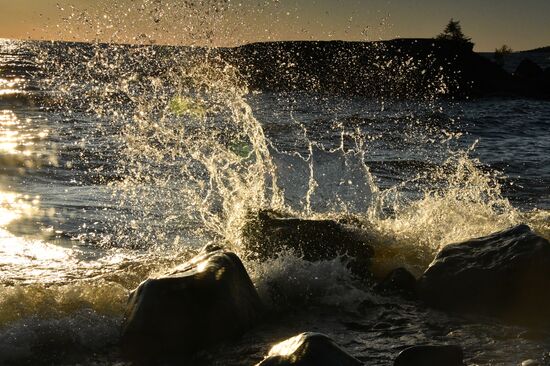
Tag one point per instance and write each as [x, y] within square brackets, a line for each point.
[9, 136]
[33, 259]
[15, 147]
[10, 86]
[13, 139]
[14, 206]
[29, 258]
[23, 258]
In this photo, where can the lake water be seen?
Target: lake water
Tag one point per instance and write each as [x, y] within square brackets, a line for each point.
[119, 162]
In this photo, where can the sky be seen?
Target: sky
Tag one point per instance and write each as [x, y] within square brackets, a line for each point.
[490, 23]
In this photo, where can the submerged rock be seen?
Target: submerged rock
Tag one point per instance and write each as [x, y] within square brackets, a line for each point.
[309, 349]
[268, 233]
[203, 301]
[505, 275]
[398, 282]
[430, 356]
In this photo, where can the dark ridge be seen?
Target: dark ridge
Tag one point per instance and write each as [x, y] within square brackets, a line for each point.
[400, 68]
[538, 50]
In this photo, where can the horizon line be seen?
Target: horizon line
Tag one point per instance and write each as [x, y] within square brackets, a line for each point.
[240, 44]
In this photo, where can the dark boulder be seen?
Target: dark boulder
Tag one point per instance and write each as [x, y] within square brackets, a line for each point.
[309, 349]
[430, 356]
[268, 233]
[505, 275]
[207, 299]
[398, 282]
[528, 69]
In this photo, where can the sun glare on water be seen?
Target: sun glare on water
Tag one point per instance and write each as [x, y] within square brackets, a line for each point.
[21, 258]
[34, 256]
[14, 206]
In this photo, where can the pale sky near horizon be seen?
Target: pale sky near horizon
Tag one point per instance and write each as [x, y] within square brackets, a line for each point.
[490, 24]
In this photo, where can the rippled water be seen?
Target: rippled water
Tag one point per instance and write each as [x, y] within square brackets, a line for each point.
[118, 162]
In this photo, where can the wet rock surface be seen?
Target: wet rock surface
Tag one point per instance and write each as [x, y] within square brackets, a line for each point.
[207, 299]
[270, 233]
[398, 282]
[309, 349]
[504, 275]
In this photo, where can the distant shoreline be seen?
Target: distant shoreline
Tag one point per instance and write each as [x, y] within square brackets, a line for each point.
[538, 49]
[404, 68]
[416, 68]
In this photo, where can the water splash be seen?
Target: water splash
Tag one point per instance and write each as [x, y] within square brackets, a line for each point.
[194, 161]
[198, 154]
[460, 201]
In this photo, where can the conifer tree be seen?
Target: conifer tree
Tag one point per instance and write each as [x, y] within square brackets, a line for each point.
[453, 32]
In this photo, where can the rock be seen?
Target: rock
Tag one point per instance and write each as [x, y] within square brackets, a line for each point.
[201, 302]
[504, 275]
[268, 233]
[309, 349]
[430, 356]
[528, 69]
[400, 282]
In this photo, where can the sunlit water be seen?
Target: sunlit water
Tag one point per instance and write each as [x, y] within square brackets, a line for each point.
[119, 162]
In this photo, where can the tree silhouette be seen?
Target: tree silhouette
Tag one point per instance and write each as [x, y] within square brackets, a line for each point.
[501, 53]
[453, 32]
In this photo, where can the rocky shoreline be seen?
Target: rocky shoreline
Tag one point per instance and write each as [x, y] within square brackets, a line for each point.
[399, 68]
[211, 298]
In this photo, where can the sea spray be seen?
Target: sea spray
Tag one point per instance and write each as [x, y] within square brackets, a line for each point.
[208, 156]
[460, 201]
[194, 161]
[288, 281]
